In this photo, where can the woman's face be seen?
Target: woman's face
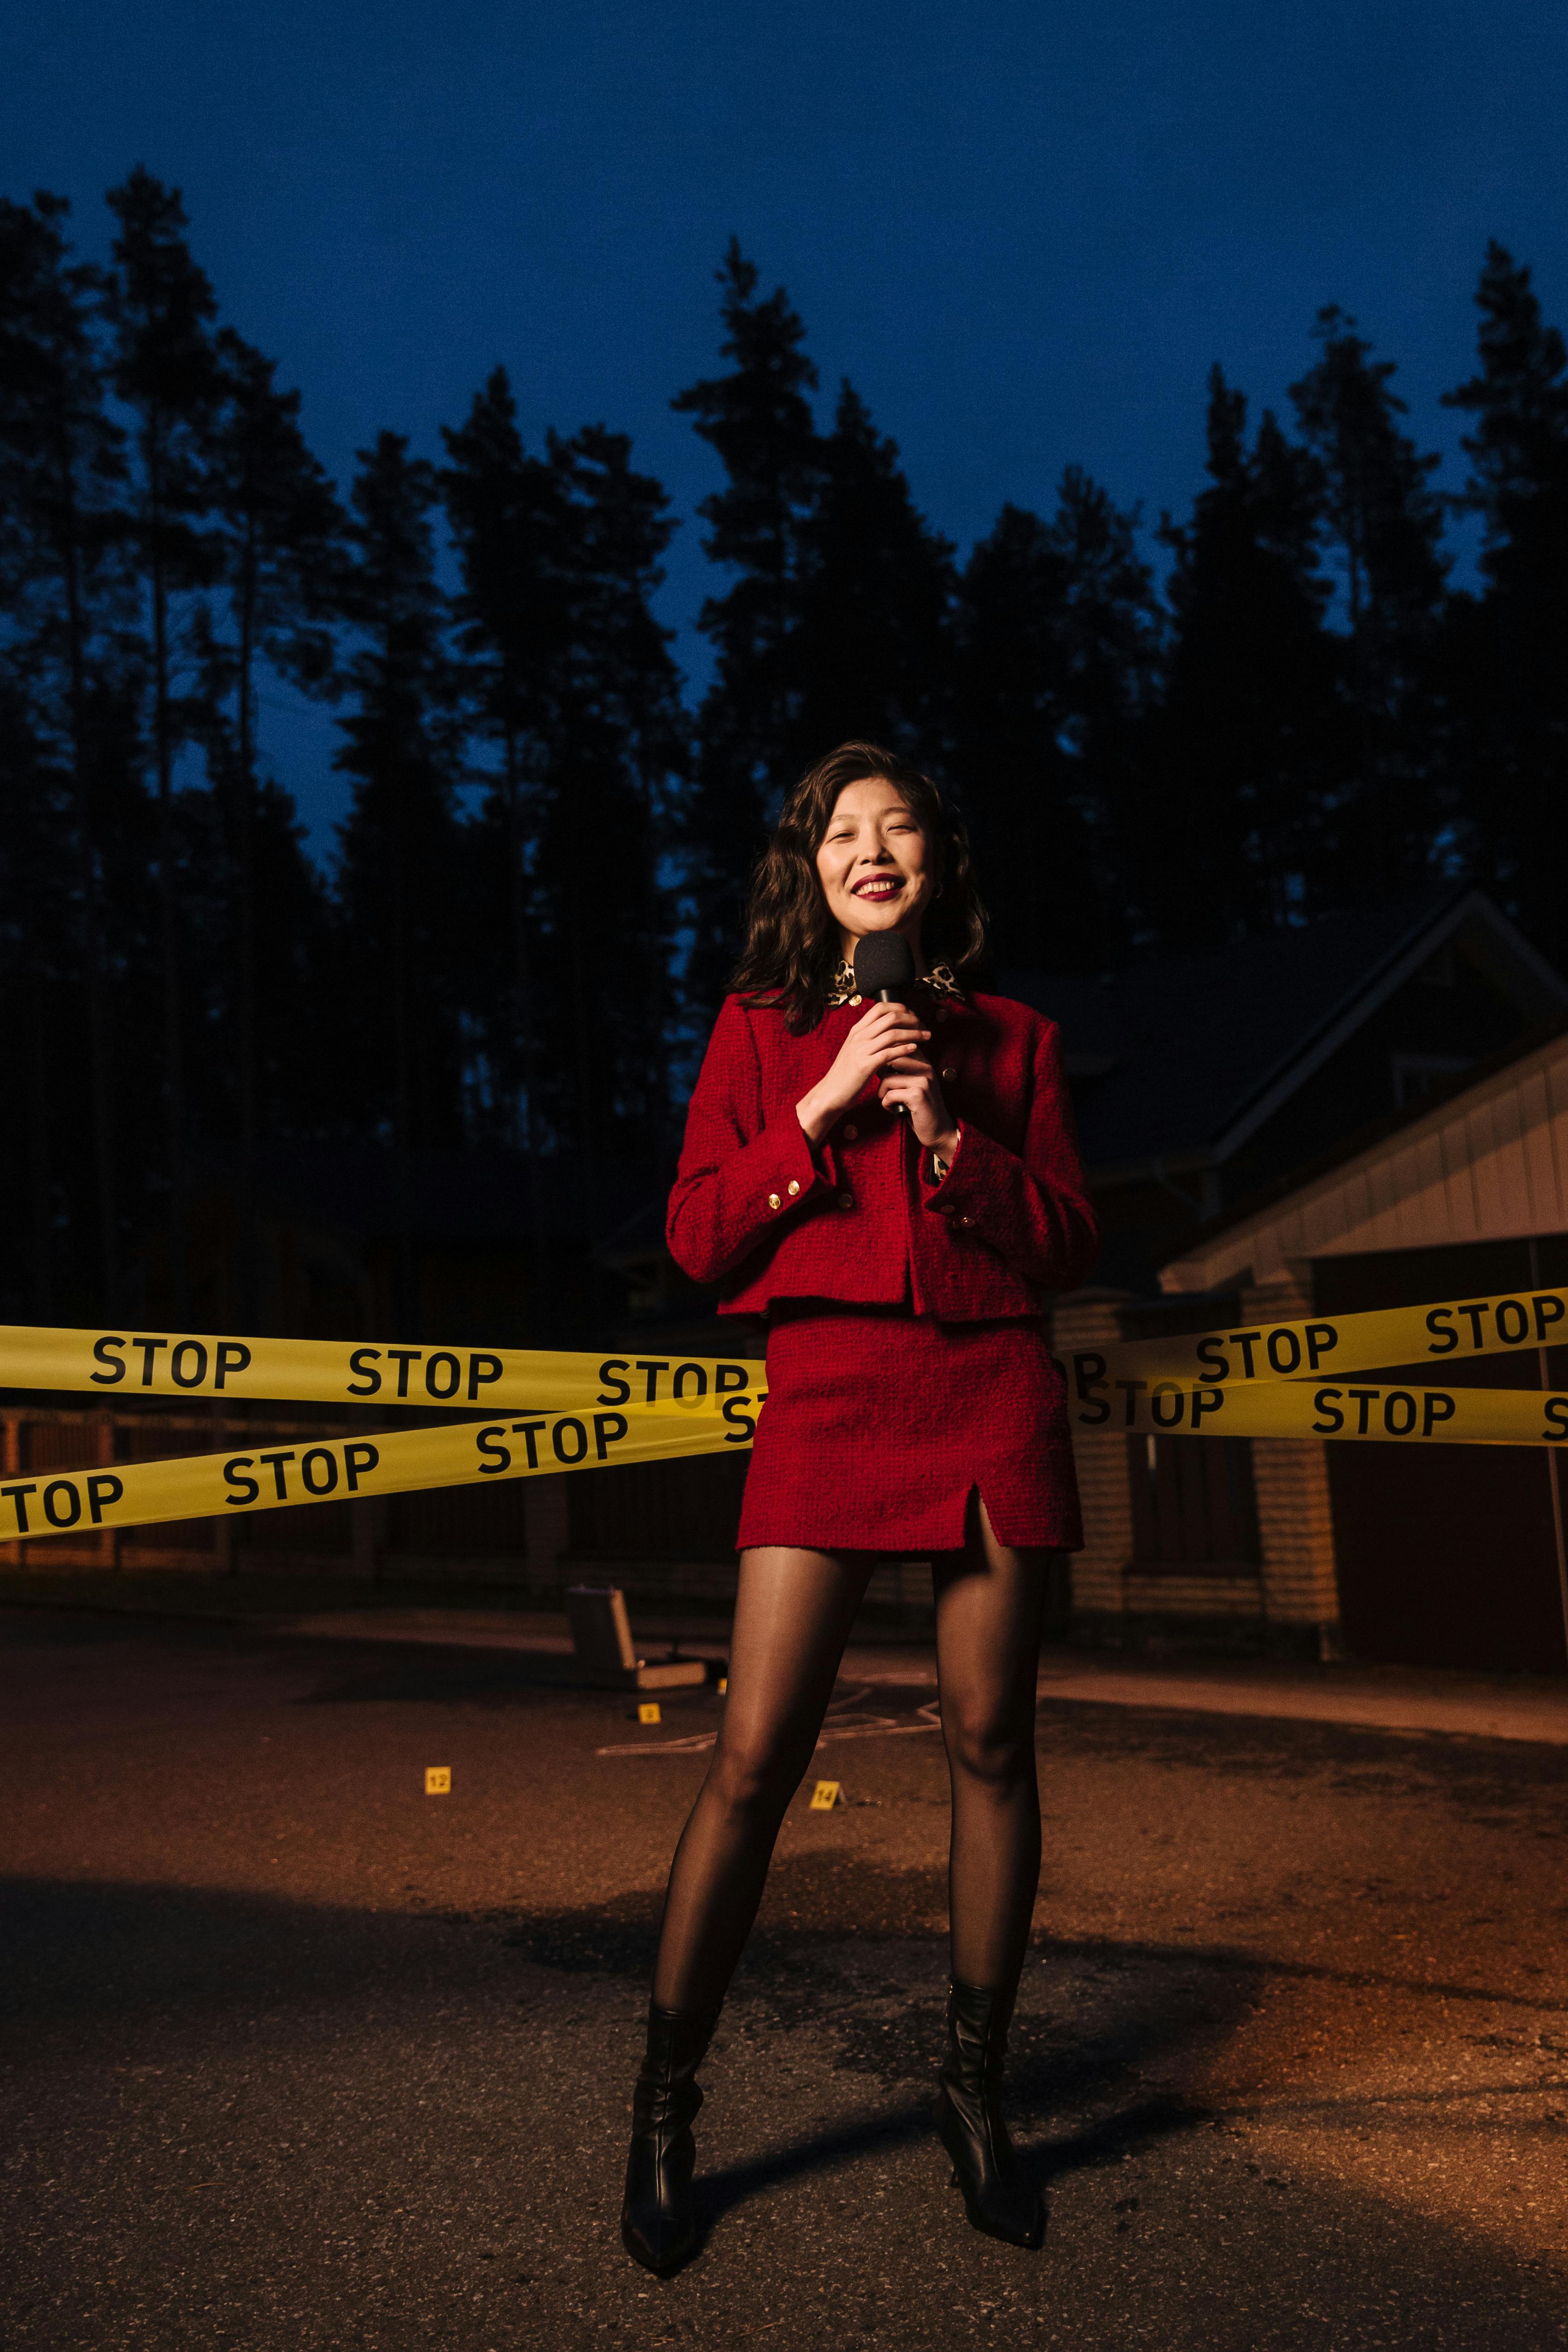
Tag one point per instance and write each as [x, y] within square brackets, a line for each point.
[875, 864]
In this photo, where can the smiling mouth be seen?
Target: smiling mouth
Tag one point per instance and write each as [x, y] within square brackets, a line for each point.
[877, 885]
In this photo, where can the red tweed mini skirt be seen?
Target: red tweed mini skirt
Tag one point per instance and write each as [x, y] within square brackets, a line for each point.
[880, 1424]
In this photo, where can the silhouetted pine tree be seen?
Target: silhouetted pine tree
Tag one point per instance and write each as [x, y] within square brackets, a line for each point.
[758, 421]
[1508, 649]
[242, 846]
[400, 870]
[872, 652]
[514, 624]
[1058, 643]
[567, 676]
[619, 745]
[1382, 526]
[40, 1038]
[1238, 755]
[64, 610]
[162, 308]
[277, 530]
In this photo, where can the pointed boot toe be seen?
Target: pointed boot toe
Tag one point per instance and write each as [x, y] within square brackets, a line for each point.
[661, 2242]
[658, 2220]
[999, 2196]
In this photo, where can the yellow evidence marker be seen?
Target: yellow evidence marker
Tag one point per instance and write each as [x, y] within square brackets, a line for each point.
[648, 1712]
[438, 1780]
[825, 1795]
[723, 1685]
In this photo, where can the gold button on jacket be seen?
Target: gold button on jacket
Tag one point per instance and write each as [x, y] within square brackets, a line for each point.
[897, 1241]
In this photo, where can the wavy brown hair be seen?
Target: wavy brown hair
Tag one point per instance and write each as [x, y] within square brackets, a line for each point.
[791, 947]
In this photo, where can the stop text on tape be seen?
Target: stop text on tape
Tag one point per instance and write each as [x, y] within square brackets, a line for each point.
[1328, 1346]
[1243, 1383]
[459, 1454]
[1378, 1411]
[141, 1362]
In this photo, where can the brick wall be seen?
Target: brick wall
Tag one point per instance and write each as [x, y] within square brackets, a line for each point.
[1290, 1476]
[1166, 1596]
[1090, 1319]
[1293, 1603]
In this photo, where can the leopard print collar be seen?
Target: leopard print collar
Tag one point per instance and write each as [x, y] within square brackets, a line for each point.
[939, 981]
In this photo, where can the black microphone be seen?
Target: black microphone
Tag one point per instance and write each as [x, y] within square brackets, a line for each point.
[885, 969]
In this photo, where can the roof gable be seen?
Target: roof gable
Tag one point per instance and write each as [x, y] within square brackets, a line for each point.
[1186, 1057]
[1490, 1162]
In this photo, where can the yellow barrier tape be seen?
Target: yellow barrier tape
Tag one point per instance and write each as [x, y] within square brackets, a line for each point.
[472, 1452]
[584, 1409]
[120, 1364]
[1328, 1345]
[135, 1362]
[389, 1462]
[1453, 1416]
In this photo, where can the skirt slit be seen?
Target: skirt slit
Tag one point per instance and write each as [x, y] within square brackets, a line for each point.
[879, 1425]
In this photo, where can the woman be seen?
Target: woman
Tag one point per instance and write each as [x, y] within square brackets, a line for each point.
[896, 1212]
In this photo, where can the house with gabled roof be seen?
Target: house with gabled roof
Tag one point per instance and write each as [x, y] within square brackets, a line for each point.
[1200, 1079]
[1429, 1555]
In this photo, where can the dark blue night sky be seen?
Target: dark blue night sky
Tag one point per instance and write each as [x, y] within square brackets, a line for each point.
[1023, 232]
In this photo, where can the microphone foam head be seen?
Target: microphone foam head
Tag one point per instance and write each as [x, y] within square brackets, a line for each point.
[883, 959]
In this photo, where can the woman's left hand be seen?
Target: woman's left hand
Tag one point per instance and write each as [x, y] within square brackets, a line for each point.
[915, 1083]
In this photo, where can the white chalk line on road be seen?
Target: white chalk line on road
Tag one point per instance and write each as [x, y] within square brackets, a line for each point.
[838, 1725]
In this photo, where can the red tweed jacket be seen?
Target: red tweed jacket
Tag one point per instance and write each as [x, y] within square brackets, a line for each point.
[860, 1219]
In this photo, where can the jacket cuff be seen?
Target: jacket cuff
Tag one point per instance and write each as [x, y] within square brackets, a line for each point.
[789, 1170]
[962, 1192]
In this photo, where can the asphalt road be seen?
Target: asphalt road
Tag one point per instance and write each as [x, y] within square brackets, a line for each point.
[296, 2056]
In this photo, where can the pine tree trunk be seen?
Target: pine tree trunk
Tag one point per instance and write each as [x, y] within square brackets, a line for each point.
[658, 1106]
[523, 1003]
[92, 928]
[40, 1175]
[403, 1074]
[245, 1009]
[173, 1066]
[582, 1030]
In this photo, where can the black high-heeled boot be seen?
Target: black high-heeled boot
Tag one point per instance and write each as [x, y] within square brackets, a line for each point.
[658, 2225]
[998, 2194]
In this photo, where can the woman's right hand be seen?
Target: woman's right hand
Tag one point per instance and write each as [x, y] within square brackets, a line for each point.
[884, 1035]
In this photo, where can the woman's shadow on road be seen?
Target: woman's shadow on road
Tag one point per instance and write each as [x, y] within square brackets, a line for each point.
[1064, 2064]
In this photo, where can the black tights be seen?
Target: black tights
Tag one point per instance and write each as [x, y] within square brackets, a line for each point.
[792, 1615]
